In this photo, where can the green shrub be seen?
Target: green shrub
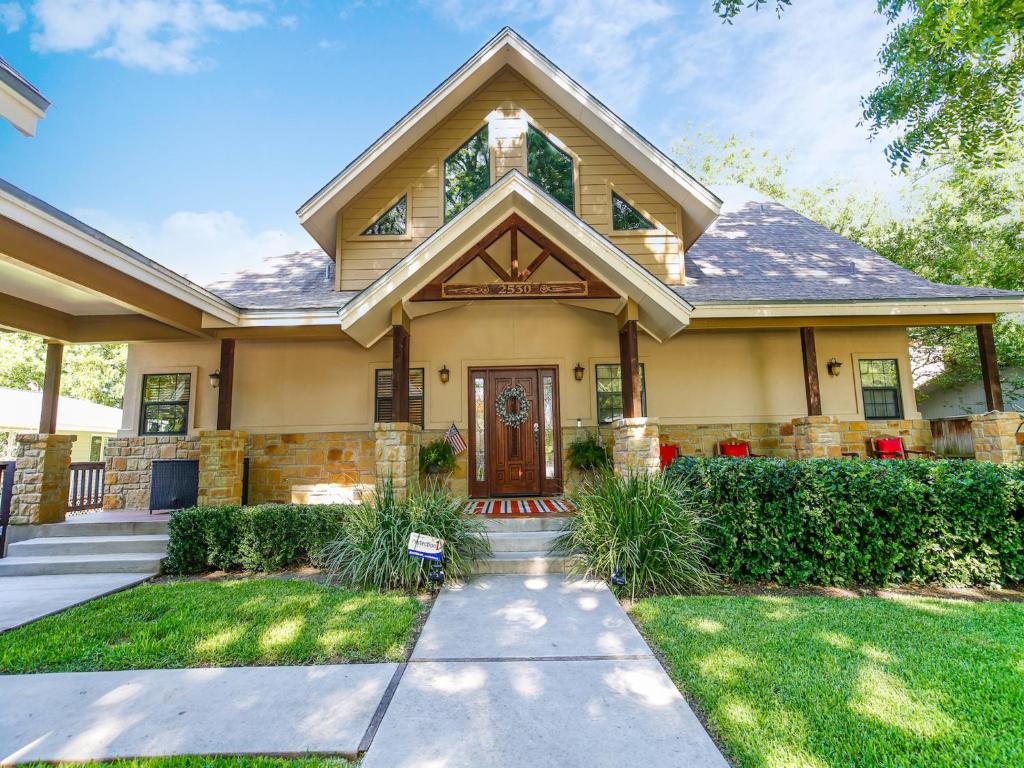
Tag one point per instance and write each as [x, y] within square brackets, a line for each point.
[586, 453]
[371, 549]
[642, 524]
[268, 537]
[842, 522]
[437, 458]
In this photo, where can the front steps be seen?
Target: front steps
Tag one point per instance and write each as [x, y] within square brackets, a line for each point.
[521, 545]
[88, 547]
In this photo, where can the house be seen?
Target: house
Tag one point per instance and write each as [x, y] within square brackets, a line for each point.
[939, 400]
[512, 258]
[91, 423]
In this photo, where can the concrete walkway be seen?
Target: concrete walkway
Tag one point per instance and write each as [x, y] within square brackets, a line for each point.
[27, 598]
[514, 671]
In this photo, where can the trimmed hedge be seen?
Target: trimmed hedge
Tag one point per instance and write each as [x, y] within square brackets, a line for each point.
[269, 537]
[841, 522]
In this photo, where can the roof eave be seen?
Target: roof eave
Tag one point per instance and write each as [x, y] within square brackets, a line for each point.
[873, 307]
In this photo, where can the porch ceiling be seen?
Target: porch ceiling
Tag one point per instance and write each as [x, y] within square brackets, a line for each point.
[661, 312]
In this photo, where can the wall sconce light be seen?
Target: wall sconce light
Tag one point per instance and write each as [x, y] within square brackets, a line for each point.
[444, 373]
[579, 423]
[578, 371]
[833, 366]
[215, 379]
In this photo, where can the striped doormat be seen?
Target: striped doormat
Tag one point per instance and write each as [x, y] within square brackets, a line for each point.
[519, 507]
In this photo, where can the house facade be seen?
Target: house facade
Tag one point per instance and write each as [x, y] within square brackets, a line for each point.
[513, 259]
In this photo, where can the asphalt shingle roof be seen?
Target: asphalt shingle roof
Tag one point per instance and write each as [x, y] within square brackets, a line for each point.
[301, 280]
[766, 252]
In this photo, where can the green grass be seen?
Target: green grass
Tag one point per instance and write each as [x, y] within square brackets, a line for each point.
[810, 682]
[212, 762]
[217, 623]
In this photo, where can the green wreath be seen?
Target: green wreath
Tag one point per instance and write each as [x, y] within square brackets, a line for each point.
[512, 391]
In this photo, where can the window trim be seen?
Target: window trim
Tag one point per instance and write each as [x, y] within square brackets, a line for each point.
[562, 147]
[598, 393]
[862, 405]
[143, 403]
[423, 397]
[612, 194]
[361, 235]
[483, 124]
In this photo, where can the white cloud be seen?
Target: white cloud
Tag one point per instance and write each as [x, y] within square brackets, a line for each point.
[158, 35]
[289, 22]
[12, 16]
[201, 245]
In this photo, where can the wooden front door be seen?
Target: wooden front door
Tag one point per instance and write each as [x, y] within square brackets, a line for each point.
[514, 459]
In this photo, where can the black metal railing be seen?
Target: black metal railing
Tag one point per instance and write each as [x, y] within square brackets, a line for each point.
[86, 490]
[6, 494]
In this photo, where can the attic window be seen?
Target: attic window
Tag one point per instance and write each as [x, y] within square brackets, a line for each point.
[467, 174]
[626, 217]
[550, 167]
[391, 222]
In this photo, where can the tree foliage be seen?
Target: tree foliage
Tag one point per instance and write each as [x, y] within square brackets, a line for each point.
[93, 372]
[953, 77]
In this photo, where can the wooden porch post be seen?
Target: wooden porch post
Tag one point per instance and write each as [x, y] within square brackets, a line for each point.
[810, 357]
[629, 370]
[227, 383]
[399, 365]
[51, 388]
[989, 368]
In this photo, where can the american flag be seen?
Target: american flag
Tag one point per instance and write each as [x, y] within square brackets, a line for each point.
[454, 439]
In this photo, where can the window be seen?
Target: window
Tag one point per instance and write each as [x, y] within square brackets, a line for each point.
[392, 221]
[467, 174]
[550, 167]
[165, 399]
[626, 217]
[880, 386]
[382, 396]
[609, 393]
[96, 448]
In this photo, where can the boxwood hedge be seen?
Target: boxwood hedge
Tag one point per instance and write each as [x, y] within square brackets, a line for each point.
[268, 537]
[862, 522]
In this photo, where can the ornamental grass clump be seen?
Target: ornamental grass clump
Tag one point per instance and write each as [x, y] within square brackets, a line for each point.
[643, 525]
[371, 550]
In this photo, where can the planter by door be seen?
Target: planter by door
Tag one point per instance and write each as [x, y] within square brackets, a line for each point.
[511, 455]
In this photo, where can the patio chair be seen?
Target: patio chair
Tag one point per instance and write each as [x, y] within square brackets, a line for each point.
[891, 447]
[736, 449]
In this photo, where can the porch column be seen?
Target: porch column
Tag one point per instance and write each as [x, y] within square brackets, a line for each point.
[399, 365]
[226, 387]
[636, 438]
[42, 479]
[629, 366]
[51, 388]
[810, 358]
[989, 368]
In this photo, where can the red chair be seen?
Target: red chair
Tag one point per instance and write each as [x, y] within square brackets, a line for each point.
[890, 447]
[736, 449]
[669, 453]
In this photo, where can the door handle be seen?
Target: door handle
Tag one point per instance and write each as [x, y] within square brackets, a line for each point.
[536, 431]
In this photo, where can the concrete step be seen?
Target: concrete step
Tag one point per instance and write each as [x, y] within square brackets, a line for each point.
[152, 543]
[522, 524]
[522, 541]
[58, 565]
[111, 528]
[522, 563]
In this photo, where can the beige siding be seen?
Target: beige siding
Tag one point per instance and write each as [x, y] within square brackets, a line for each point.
[506, 103]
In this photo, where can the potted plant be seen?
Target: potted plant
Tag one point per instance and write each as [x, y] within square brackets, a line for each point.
[586, 454]
[437, 458]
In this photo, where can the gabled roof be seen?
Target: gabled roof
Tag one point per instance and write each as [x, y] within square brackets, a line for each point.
[300, 280]
[507, 48]
[662, 313]
[21, 103]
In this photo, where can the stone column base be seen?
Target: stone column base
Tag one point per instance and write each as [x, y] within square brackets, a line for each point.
[397, 455]
[221, 467]
[42, 479]
[817, 437]
[637, 446]
[995, 437]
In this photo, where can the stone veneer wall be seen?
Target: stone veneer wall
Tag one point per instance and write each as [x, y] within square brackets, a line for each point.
[42, 478]
[765, 438]
[856, 435]
[636, 447]
[277, 462]
[996, 438]
[397, 454]
[129, 466]
[221, 468]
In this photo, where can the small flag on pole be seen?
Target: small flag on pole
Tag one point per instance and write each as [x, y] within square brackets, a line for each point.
[454, 439]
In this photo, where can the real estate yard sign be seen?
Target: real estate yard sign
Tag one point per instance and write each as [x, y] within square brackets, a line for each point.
[426, 547]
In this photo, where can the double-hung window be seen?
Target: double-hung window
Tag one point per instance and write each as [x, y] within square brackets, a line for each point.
[609, 393]
[880, 388]
[165, 403]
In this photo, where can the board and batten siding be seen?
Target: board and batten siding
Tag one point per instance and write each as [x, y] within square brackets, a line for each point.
[506, 103]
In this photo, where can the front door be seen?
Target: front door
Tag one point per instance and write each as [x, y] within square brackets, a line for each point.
[514, 445]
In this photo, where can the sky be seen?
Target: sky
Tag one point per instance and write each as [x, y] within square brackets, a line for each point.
[193, 129]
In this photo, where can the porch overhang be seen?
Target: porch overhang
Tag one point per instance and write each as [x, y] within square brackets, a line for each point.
[661, 312]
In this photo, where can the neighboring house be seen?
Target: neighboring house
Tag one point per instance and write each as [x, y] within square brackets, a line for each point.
[512, 258]
[937, 401]
[92, 424]
[21, 104]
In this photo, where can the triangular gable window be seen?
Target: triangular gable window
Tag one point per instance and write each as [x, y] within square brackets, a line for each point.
[467, 173]
[550, 167]
[392, 221]
[626, 217]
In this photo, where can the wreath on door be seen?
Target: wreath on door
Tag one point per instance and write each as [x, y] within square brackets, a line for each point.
[517, 417]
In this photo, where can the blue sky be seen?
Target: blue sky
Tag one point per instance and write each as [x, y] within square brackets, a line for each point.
[193, 129]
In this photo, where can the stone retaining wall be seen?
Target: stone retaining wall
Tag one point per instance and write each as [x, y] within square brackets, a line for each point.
[856, 435]
[278, 462]
[129, 466]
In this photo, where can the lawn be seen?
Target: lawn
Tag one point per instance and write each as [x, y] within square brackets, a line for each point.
[812, 681]
[212, 762]
[261, 621]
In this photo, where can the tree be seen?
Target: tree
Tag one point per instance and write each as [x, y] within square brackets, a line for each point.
[954, 74]
[93, 372]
